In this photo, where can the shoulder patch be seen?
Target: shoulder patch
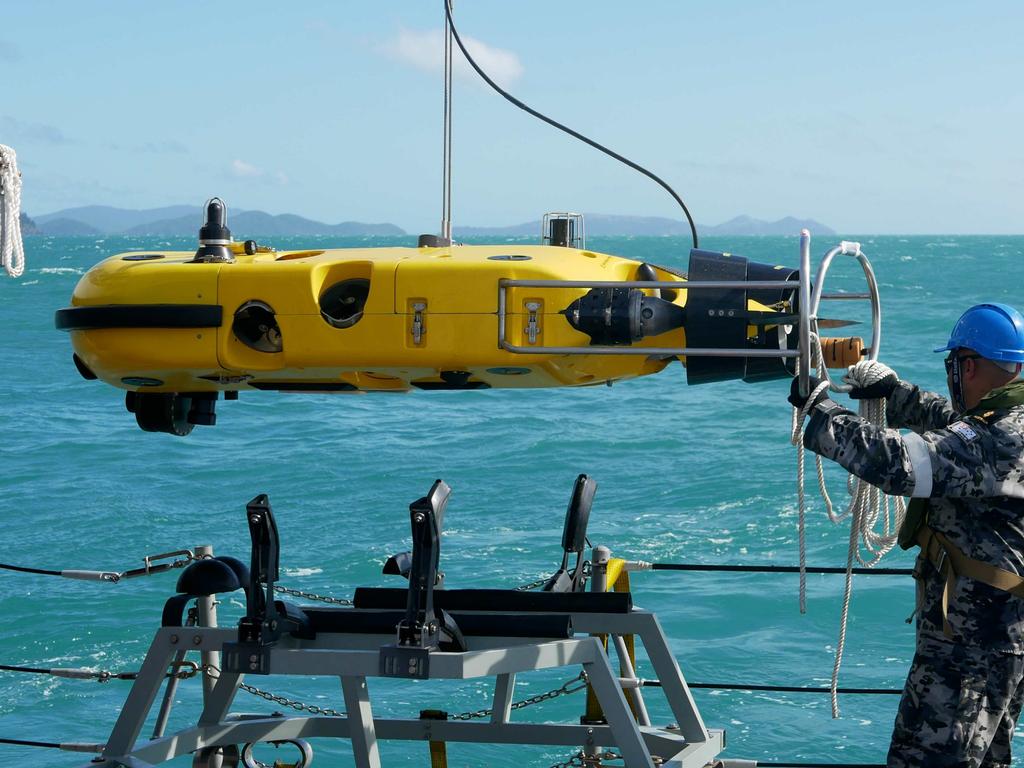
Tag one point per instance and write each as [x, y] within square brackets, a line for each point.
[964, 431]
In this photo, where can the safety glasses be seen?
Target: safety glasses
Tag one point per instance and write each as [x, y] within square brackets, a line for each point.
[949, 360]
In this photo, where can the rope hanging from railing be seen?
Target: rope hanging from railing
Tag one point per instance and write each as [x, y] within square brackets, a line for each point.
[867, 503]
[12, 249]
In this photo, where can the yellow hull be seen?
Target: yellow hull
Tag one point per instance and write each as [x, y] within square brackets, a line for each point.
[429, 320]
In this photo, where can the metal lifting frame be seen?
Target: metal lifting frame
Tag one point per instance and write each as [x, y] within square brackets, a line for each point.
[354, 658]
[355, 644]
[808, 311]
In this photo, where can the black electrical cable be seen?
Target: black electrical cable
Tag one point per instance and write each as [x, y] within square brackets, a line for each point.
[777, 569]
[570, 131]
[29, 570]
[23, 743]
[37, 670]
[779, 688]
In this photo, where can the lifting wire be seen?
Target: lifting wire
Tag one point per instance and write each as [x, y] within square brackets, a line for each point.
[559, 126]
[446, 192]
[867, 502]
[12, 248]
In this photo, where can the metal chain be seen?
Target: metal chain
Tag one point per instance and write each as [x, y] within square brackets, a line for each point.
[312, 596]
[581, 760]
[313, 709]
[533, 585]
[578, 683]
[541, 582]
[572, 762]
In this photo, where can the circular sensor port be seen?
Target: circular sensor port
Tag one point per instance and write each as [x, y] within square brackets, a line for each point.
[255, 325]
[342, 304]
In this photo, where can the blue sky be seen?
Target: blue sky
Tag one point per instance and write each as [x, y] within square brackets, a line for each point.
[869, 117]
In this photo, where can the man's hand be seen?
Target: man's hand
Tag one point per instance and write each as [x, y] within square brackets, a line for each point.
[799, 400]
[884, 380]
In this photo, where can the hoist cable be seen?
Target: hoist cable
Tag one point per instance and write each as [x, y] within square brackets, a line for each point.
[559, 126]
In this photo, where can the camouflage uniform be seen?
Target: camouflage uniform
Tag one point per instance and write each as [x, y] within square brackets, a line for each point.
[964, 692]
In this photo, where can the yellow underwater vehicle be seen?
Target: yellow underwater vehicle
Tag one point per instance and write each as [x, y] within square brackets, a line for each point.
[176, 329]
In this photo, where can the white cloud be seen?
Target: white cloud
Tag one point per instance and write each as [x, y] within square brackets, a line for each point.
[244, 170]
[425, 51]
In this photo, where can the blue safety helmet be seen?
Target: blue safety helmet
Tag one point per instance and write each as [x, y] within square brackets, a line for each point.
[994, 331]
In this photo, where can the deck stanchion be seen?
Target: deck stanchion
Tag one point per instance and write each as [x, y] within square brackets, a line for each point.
[206, 616]
[598, 583]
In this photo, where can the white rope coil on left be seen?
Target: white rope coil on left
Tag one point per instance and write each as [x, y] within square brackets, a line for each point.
[868, 504]
[12, 249]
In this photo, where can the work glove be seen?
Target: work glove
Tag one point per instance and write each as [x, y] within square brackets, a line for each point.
[884, 380]
[799, 400]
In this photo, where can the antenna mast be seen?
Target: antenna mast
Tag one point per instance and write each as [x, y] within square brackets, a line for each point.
[446, 201]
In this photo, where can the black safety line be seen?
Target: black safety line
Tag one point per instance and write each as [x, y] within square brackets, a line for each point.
[24, 743]
[23, 569]
[777, 569]
[35, 670]
[778, 688]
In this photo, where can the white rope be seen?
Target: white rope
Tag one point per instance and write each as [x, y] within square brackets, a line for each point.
[867, 504]
[12, 250]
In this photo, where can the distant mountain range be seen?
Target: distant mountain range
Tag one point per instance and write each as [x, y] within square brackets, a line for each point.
[184, 221]
[602, 224]
[28, 227]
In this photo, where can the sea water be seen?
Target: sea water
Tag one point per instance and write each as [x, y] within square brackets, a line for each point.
[685, 475]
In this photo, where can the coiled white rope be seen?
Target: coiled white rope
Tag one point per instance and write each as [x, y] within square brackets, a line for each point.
[12, 249]
[867, 504]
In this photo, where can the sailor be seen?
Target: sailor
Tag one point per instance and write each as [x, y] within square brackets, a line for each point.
[963, 463]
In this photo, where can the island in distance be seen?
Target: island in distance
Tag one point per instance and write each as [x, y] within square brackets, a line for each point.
[184, 220]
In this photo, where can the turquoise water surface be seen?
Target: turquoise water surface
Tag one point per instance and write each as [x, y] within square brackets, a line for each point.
[701, 475]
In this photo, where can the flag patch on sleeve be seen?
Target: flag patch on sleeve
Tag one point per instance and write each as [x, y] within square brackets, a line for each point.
[964, 431]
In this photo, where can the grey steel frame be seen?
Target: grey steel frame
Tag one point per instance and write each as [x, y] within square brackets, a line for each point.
[806, 328]
[355, 658]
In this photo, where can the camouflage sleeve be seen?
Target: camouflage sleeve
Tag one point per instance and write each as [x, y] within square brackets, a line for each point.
[911, 407]
[968, 458]
[972, 458]
[879, 456]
